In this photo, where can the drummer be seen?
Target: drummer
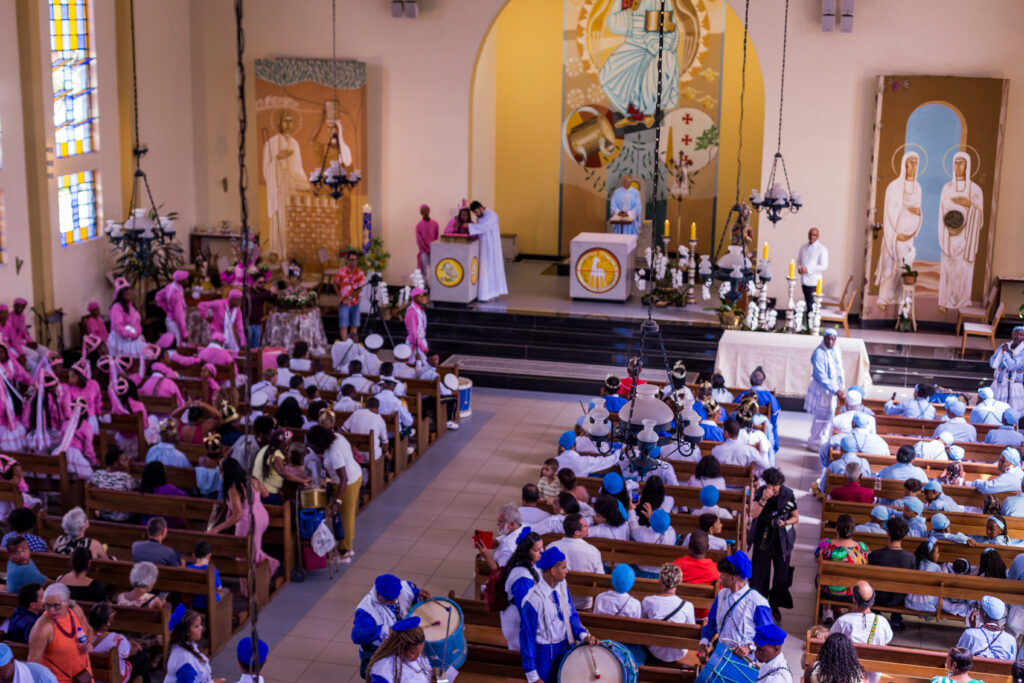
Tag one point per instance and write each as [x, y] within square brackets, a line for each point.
[400, 657]
[547, 615]
[745, 608]
[387, 602]
[774, 669]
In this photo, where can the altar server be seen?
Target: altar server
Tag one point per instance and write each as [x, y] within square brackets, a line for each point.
[746, 608]
[934, 449]
[225, 317]
[961, 429]
[1010, 474]
[916, 407]
[15, 331]
[987, 638]
[1006, 434]
[626, 203]
[400, 658]
[492, 282]
[416, 324]
[773, 666]
[387, 602]
[549, 620]
[125, 337]
[171, 299]
[826, 386]
[988, 411]
[1008, 364]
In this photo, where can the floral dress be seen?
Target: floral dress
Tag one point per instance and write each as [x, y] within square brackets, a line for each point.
[827, 550]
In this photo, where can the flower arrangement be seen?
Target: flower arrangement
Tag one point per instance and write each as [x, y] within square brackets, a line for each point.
[293, 300]
[236, 276]
[666, 278]
[904, 323]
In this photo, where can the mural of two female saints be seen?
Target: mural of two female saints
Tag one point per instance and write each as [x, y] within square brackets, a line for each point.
[961, 216]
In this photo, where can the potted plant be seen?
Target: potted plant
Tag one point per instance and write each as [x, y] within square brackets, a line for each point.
[909, 274]
[730, 314]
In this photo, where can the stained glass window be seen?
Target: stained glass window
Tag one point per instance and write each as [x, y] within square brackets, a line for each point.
[74, 80]
[76, 205]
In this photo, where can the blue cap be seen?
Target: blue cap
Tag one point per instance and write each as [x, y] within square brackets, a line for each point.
[176, 616]
[567, 440]
[623, 578]
[551, 556]
[956, 453]
[985, 393]
[1012, 456]
[612, 483]
[933, 485]
[848, 444]
[407, 624]
[993, 607]
[5, 654]
[957, 408]
[830, 332]
[880, 512]
[1019, 328]
[741, 562]
[522, 534]
[1011, 417]
[660, 521]
[388, 586]
[769, 634]
[914, 504]
[709, 496]
[940, 522]
[244, 649]
[860, 420]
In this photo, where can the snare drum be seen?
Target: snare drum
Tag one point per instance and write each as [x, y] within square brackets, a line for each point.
[441, 621]
[612, 660]
[725, 666]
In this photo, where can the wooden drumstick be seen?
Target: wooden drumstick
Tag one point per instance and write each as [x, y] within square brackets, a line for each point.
[590, 650]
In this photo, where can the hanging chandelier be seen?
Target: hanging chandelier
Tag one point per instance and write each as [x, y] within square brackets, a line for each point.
[331, 174]
[778, 199]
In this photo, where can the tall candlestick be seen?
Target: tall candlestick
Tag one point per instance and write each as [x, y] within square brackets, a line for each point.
[693, 232]
[666, 227]
[792, 270]
[817, 290]
[765, 251]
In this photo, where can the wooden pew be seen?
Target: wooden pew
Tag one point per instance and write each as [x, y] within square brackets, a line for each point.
[878, 405]
[892, 489]
[105, 667]
[908, 426]
[934, 468]
[973, 450]
[970, 523]
[159, 405]
[49, 473]
[948, 550]
[9, 493]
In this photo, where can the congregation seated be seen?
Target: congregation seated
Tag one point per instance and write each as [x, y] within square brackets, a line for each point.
[1006, 433]
[75, 523]
[84, 588]
[960, 428]
[916, 407]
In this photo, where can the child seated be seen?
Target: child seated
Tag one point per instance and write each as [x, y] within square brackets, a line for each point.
[710, 524]
[709, 496]
[201, 556]
[942, 532]
[619, 603]
[548, 485]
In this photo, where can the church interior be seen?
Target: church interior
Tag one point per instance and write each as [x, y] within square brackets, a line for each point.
[703, 314]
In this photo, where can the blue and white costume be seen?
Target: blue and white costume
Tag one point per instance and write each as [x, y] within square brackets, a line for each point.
[735, 616]
[826, 381]
[934, 449]
[988, 411]
[1009, 479]
[918, 407]
[626, 199]
[548, 620]
[373, 618]
[766, 398]
[1008, 380]
[990, 640]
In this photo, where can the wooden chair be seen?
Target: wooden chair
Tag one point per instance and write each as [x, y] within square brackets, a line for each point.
[841, 314]
[831, 301]
[327, 272]
[979, 313]
[983, 329]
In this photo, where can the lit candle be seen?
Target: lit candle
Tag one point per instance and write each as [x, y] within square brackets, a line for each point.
[792, 270]
[817, 290]
[666, 227]
[693, 232]
[765, 251]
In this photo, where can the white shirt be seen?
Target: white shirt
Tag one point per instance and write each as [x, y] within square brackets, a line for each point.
[580, 556]
[775, 671]
[617, 533]
[714, 543]
[617, 605]
[338, 456]
[733, 452]
[264, 387]
[284, 377]
[361, 384]
[365, 421]
[583, 465]
[390, 404]
[858, 625]
[813, 257]
[297, 395]
[347, 404]
[322, 380]
[299, 364]
[660, 606]
[178, 658]
[532, 515]
[716, 510]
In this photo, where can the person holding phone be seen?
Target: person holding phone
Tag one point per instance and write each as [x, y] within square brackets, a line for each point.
[772, 538]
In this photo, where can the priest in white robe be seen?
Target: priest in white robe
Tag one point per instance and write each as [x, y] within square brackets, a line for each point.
[492, 282]
[961, 216]
[626, 203]
[1008, 366]
[284, 175]
[900, 224]
[826, 386]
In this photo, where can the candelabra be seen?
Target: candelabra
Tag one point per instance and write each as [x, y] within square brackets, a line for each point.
[764, 275]
[815, 316]
[691, 274]
[790, 306]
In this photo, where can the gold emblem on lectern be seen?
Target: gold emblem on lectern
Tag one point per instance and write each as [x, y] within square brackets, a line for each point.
[597, 270]
[448, 272]
[474, 270]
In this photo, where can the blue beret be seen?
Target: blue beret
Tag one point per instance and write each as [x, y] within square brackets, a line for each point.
[914, 503]
[612, 483]
[956, 453]
[993, 607]
[848, 444]
[709, 496]
[522, 534]
[5, 654]
[940, 522]
[769, 634]
[388, 586]
[880, 512]
[829, 332]
[623, 578]
[741, 562]
[860, 420]
[1011, 417]
[659, 521]
[176, 616]
[985, 393]
[550, 558]
[244, 650]
[957, 408]
[407, 624]
[567, 440]
[654, 452]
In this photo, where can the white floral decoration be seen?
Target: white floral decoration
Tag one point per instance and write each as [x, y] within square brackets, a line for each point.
[640, 277]
[574, 99]
[705, 292]
[573, 66]
[417, 279]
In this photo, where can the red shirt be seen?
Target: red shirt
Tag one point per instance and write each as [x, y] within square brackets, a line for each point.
[697, 571]
[853, 492]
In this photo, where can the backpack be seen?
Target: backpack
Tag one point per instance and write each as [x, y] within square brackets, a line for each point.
[494, 592]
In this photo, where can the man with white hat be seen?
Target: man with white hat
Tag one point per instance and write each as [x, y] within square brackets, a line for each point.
[962, 429]
[1010, 474]
[416, 323]
[368, 353]
[1006, 434]
[827, 382]
[987, 638]
[171, 299]
[1008, 364]
[917, 407]
[843, 422]
[934, 449]
[387, 373]
[937, 500]
[988, 411]
[403, 368]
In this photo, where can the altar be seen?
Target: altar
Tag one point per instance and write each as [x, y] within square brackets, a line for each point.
[786, 360]
[454, 268]
[284, 328]
[601, 266]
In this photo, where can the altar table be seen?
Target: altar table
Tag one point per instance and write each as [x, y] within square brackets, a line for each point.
[284, 328]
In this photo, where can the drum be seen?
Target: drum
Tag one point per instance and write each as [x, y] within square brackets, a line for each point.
[442, 624]
[726, 667]
[465, 397]
[610, 661]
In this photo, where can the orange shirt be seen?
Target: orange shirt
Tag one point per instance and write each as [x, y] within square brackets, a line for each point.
[62, 656]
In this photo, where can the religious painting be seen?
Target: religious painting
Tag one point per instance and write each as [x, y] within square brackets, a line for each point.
[932, 212]
[297, 113]
[612, 52]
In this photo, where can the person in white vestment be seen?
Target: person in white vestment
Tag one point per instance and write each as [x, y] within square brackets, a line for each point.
[1008, 364]
[901, 222]
[492, 282]
[811, 264]
[626, 203]
[284, 175]
[826, 386]
[961, 216]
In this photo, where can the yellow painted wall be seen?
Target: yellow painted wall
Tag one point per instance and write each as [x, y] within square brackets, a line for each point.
[528, 113]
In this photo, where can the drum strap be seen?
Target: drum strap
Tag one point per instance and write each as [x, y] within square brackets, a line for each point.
[728, 612]
[765, 675]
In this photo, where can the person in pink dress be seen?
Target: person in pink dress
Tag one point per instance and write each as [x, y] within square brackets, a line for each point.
[208, 376]
[125, 337]
[82, 385]
[459, 224]
[76, 442]
[94, 323]
[47, 408]
[166, 342]
[93, 348]
[216, 353]
[426, 232]
[161, 383]
[172, 300]
[15, 331]
[225, 317]
[12, 374]
[416, 325]
[124, 400]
